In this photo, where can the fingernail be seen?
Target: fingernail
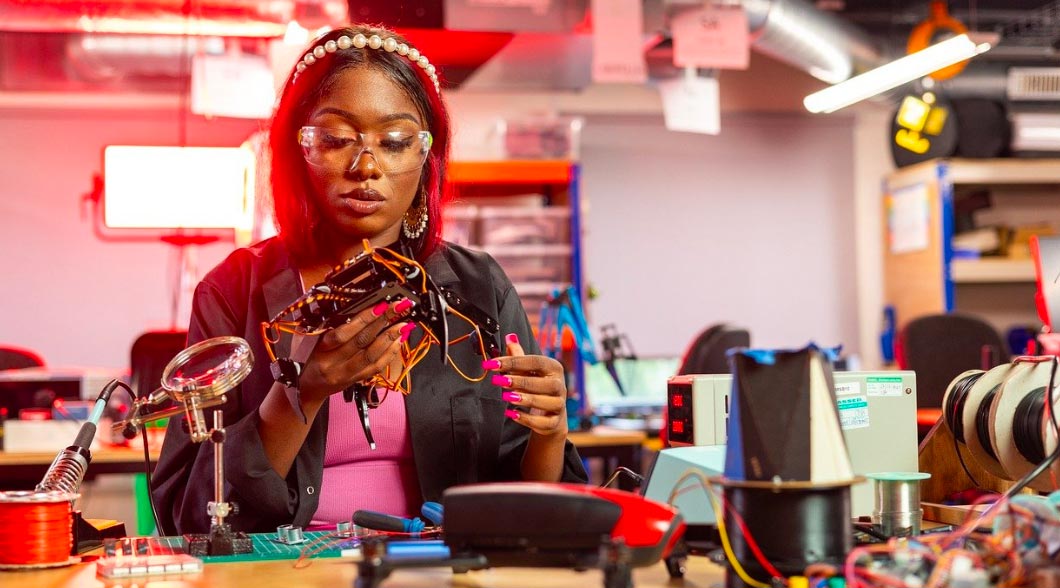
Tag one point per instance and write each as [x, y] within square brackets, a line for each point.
[511, 339]
[406, 331]
[501, 380]
[512, 414]
[509, 396]
[404, 305]
[491, 364]
[380, 308]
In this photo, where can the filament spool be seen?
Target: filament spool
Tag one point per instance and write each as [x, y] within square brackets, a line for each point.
[1026, 381]
[38, 529]
[794, 524]
[897, 512]
[977, 431]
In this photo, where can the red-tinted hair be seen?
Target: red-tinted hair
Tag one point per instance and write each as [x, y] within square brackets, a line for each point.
[296, 212]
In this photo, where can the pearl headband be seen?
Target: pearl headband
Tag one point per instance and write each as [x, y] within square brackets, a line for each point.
[389, 44]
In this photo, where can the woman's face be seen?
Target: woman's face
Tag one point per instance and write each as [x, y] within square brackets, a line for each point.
[361, 199]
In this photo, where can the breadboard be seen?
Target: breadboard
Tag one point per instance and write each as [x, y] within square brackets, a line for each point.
[266, 548]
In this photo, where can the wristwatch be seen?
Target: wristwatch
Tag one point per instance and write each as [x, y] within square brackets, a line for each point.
[286, 371]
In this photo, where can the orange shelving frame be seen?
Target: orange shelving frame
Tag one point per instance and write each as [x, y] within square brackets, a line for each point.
[511, 171]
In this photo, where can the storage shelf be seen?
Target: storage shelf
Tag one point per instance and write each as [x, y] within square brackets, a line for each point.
[980, 271]
[510, 171]
[984, 172]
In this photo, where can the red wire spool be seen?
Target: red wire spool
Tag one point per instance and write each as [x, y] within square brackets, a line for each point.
[36, 529]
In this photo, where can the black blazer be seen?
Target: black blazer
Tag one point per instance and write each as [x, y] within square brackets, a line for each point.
[459, 432]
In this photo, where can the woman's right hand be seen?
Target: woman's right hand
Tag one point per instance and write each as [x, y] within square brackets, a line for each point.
[355, 351]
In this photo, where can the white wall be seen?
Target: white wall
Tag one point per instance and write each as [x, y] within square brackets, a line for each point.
[73, 298]
[754, 227]
[872, 161]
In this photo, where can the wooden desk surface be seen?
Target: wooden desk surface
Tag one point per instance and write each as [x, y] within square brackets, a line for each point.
[107, 455]
[606, 437]
[342, 573]
[596, 438]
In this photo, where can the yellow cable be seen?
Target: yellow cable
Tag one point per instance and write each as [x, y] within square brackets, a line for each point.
[720, 515]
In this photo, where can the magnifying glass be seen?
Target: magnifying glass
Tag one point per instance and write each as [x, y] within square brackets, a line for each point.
[196, 378]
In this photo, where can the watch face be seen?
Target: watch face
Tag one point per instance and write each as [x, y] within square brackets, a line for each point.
[285, 371]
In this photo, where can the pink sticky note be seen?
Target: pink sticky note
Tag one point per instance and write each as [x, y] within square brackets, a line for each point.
[618, 54]
[711, 36]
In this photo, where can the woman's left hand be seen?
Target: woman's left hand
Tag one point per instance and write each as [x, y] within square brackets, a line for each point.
[534, 383]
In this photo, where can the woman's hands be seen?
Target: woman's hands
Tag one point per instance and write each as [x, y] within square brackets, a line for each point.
[356, 351]
[535, 383]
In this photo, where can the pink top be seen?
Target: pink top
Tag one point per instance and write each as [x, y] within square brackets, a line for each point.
[355, 476]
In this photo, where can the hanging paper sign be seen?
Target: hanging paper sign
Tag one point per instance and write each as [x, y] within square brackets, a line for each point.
[711, 36]
[691, 103]
[618, 55]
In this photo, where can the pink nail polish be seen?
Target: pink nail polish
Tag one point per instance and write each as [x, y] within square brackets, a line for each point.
[380, 308]
[501, 380]
[509, 396]
[404, 305]
[511, 339]
[408, 328]
[491, 364]
[512, 414]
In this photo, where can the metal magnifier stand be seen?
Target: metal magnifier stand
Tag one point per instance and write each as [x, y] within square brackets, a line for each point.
[197, 378]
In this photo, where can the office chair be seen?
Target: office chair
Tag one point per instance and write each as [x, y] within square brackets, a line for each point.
[148, 358]
[708, 352]
[14, 358]
[940, 347]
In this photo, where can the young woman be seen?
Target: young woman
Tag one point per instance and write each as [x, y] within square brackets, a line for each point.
[359, 149]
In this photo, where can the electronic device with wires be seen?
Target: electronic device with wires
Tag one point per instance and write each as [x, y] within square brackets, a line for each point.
[379, 275]
[877, 414]
[376, 275]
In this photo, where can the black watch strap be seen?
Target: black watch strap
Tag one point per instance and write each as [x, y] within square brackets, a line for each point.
[286, 371]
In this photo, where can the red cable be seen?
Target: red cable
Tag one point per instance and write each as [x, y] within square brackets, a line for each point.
[751, 543]
[35, 533]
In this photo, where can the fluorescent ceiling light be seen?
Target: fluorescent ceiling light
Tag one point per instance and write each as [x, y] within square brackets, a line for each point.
[178, 187]
[893, 74]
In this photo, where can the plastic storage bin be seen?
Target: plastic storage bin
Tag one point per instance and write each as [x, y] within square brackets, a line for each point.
[458, 224]
[533, 263]
[541, 137]
[535, 295]
[522, 225]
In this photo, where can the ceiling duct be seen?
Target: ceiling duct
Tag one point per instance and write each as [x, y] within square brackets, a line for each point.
[819, 42]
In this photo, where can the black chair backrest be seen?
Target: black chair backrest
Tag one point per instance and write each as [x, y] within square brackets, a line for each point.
[708, 352]
[939, 347]
[150, 353]
[14, 358]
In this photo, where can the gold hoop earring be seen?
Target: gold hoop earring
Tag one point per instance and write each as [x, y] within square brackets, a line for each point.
[415, 221]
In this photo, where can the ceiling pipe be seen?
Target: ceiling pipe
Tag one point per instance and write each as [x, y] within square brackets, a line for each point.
[824, 45]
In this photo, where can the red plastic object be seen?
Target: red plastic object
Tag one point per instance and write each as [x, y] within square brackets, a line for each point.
[927, 417]
[644, 523]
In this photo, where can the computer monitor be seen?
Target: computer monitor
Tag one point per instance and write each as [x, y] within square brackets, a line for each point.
[643, 381]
